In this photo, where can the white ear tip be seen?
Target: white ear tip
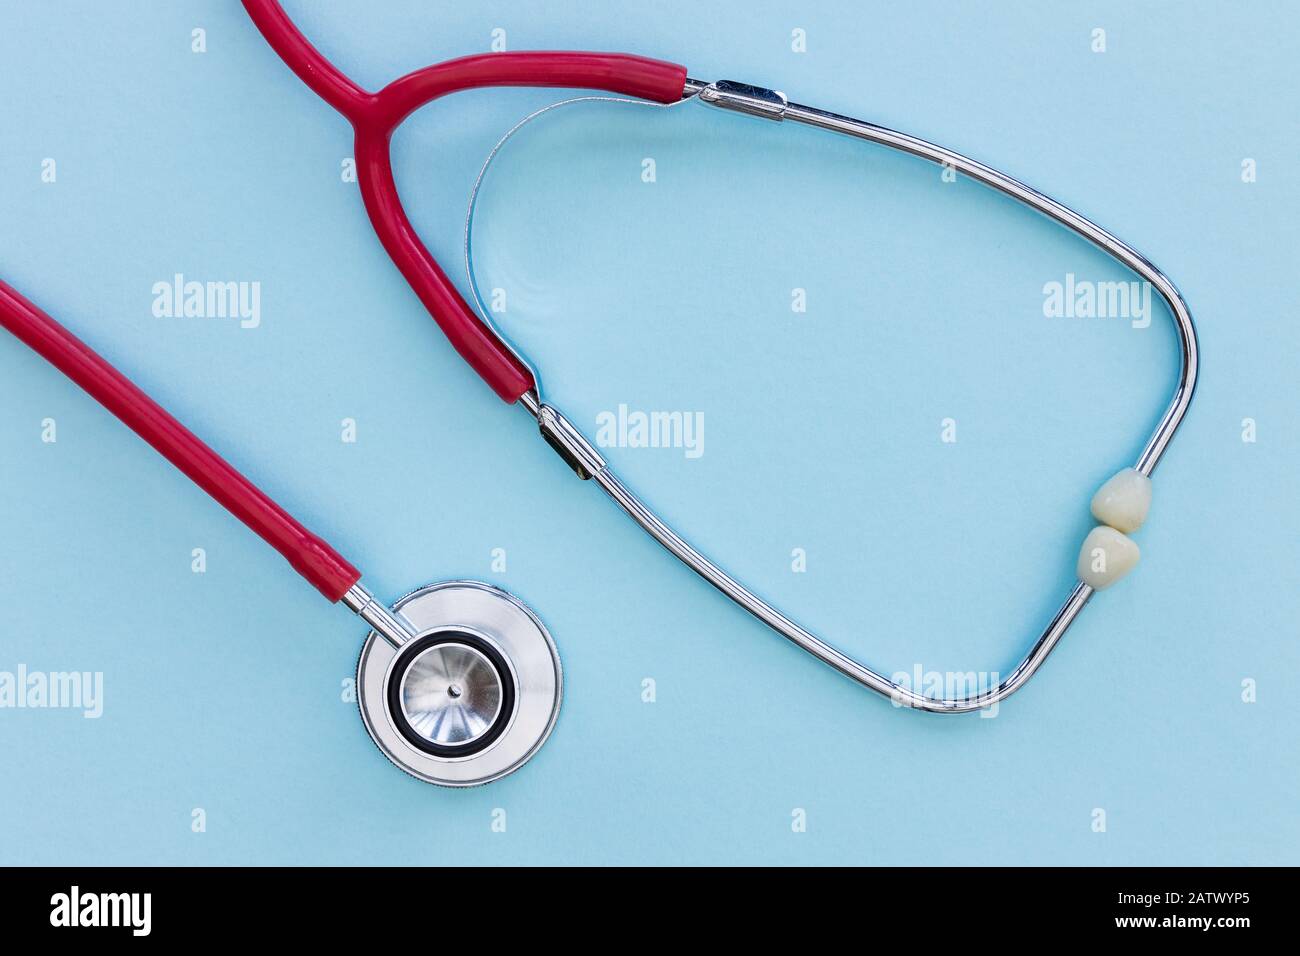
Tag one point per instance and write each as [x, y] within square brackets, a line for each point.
[1106, 556]
[1123, 501]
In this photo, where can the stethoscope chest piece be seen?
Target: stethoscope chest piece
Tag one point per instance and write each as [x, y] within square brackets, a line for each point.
[473, 697]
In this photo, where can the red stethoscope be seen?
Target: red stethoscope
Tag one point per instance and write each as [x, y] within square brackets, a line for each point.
[460, 683]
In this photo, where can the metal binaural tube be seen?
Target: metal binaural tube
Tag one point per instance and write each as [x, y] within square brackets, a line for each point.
[771, 105]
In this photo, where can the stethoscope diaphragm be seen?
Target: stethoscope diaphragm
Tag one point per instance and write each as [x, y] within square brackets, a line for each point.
[451, 693]
[470, 699]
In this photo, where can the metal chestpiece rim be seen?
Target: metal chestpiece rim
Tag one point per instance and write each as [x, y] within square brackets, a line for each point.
[473, 697]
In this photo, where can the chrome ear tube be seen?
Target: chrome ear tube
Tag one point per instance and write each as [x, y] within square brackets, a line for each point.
[581, 455]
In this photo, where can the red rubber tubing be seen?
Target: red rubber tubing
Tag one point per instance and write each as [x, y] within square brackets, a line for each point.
[374, 116]
[310, 556]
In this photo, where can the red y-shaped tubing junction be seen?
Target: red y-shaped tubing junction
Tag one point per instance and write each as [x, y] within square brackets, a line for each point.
[374, 116]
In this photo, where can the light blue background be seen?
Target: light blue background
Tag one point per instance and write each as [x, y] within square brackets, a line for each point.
[223, 690]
